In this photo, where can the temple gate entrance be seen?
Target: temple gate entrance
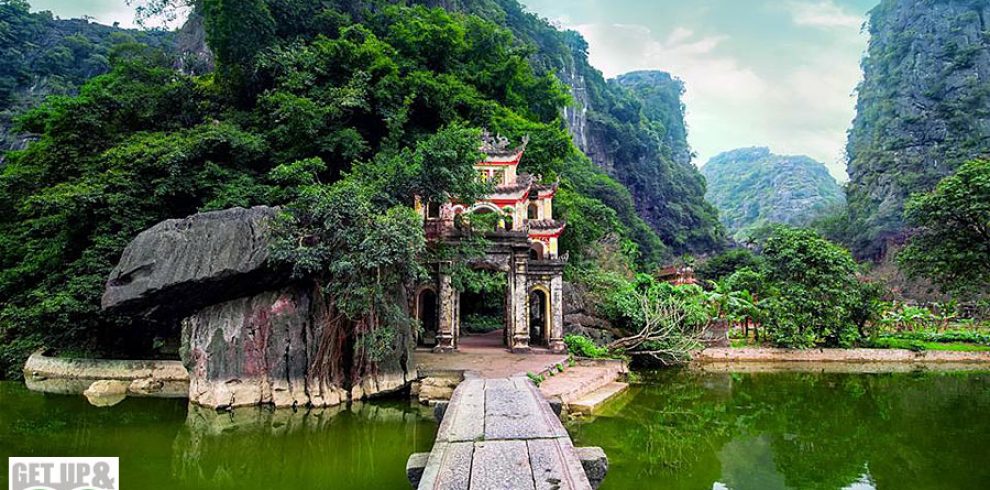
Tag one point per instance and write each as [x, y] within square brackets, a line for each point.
[539, 316]
[484, 304]
[428, 314]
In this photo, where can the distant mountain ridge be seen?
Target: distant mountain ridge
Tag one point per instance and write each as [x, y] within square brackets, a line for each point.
[752, 187]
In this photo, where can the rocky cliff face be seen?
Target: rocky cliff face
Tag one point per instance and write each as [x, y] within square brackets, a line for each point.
[752, 187]
[633, 128]
[924, 108]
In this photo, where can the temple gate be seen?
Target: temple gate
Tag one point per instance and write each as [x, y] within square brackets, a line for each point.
[524, 247]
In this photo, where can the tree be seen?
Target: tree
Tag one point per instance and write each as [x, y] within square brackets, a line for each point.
[951, 245]
[726, 263]
[817, 295]
[237, 30]
[665, 333]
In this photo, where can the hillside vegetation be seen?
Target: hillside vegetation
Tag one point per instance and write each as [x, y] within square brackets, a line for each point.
[752, 188]
[45, 56]
[320, 107]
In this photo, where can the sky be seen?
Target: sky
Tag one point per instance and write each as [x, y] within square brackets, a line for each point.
[776, 73]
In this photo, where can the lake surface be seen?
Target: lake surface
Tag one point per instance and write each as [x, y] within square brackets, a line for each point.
[675, 430]
[166, 444]
[691, 430]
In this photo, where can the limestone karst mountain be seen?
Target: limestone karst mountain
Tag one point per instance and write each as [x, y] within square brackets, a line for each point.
[43, 55]
[752, 187]
[924, 109]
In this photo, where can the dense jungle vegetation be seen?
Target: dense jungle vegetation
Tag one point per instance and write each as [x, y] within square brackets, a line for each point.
[324, 107]
[340, 111]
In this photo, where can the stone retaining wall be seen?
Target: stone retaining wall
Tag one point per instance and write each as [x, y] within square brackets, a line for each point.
[166, 379]
[751, 354]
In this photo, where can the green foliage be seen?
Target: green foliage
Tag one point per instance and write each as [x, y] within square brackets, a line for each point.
[752, 188]
[237, 31]
[477, 323]
[338, 115]
[727, 263]
[535, 378]
[46, 56]
[952, 245]
[816, 291]
[581, 346]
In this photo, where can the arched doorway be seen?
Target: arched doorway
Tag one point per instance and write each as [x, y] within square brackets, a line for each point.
[428, 314]
[536, 251]
[539, 317]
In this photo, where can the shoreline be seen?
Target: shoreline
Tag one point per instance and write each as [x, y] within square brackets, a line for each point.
[769, 359]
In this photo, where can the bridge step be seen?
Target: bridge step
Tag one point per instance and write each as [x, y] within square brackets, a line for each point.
[592, 401]
[502, 433]
[578, 382]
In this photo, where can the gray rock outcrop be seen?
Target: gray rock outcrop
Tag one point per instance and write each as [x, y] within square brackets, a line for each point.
[258, 350]
[580, 317]
[181, 265]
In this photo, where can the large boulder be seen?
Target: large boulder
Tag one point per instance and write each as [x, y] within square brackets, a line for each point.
[181, 265]
[250, 334]
[274, 348]
[259, 349]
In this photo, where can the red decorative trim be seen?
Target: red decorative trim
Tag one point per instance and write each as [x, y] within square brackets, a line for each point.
[509, 202]
[539, 236]
[515, 161]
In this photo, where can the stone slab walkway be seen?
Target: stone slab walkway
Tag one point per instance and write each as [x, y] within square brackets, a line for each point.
[486, 358]
[502, 434]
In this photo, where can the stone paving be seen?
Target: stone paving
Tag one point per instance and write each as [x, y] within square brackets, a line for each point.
[486, 357]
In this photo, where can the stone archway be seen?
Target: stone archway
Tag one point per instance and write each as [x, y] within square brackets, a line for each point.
[539, 316]
[428, 314]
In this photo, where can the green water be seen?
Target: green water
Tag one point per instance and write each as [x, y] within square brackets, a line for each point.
[676, 430]
[686, 430]
[165, 444]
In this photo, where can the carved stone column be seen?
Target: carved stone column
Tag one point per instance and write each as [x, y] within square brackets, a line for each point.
[519, 302]
[557, 314]
[447, 328]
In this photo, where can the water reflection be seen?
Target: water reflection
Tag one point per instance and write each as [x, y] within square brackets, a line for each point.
[272, 448]
[168, 444]
[797, 431]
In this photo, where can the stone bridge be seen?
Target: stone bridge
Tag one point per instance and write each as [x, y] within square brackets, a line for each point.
[502, 433]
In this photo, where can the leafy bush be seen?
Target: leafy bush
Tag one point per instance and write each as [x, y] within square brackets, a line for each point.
[808, 293]
[581, 346]
[482, 323]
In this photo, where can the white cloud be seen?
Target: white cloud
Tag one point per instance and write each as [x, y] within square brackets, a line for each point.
[104, 12]
[822, 13]
[804, 109]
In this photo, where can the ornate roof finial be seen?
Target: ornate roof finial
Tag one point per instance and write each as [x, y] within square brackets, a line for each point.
[493, 144]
